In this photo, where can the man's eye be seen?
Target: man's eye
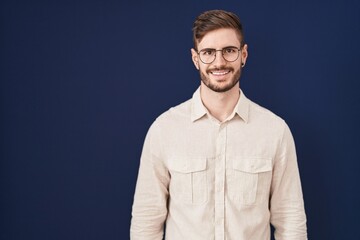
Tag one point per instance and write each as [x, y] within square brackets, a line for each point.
[207, 52]
[229, 50]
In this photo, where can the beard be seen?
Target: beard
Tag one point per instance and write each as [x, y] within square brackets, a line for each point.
[216, 87]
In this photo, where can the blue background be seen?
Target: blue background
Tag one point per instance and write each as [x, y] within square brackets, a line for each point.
[81, 82]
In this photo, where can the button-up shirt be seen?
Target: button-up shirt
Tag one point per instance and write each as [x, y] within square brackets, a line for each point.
[210, 180]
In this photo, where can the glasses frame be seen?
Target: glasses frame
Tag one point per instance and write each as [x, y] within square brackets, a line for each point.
[222, 53]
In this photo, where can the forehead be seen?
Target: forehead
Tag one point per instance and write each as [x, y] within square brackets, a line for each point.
[220, 38]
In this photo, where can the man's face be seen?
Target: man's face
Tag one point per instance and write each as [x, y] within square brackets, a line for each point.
[220, 75]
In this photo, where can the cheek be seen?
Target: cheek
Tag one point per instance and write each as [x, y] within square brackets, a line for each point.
[202, 69]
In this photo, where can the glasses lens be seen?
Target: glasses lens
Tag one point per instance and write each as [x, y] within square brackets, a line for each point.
[207, 55]
[230, 54]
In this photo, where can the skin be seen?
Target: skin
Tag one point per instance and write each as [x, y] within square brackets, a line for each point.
[219, 87]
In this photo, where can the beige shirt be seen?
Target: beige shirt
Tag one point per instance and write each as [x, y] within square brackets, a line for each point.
[214, 181]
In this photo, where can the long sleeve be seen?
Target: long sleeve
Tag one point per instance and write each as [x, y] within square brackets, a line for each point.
[286, 203]
[150, 200]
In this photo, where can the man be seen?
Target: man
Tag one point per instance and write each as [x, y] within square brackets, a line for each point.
[218, 166]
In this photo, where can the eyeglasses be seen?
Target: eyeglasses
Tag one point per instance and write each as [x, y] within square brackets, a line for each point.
[208, 55]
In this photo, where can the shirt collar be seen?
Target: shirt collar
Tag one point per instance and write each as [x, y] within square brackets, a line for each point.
[198, 109]
[242, 107]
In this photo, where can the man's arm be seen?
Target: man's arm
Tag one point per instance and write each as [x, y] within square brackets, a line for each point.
[286, 203]
[150, 201]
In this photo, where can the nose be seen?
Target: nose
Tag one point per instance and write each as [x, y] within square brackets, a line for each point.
[219, 59]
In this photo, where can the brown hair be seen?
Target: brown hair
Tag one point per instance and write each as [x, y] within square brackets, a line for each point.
[213, 20]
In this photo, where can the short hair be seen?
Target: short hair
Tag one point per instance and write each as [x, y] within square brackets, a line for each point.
[213, 20]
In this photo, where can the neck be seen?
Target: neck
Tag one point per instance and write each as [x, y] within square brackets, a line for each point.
[220, 104]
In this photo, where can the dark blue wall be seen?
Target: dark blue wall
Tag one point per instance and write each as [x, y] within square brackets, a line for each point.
[81, 82]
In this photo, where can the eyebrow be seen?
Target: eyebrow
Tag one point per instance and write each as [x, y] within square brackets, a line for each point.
[219, 49]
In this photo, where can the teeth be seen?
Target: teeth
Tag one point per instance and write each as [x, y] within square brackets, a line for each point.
[220, 73]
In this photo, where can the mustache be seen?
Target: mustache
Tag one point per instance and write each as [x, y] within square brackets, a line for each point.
[220, 69]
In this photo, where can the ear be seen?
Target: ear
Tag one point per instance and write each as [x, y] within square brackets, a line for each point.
[195, 58]
[244, 53]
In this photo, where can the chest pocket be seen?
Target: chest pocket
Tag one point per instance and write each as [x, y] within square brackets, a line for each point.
[188, 182]
[249, 178]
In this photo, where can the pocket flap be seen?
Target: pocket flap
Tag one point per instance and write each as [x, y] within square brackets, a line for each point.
[187, 165]
[252, 164]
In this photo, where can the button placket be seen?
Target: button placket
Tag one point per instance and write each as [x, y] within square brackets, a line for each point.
[220, 182]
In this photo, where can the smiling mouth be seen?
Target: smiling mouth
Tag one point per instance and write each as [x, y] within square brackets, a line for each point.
[218, 72]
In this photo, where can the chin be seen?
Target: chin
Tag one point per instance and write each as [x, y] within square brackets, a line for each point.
[221, 88]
